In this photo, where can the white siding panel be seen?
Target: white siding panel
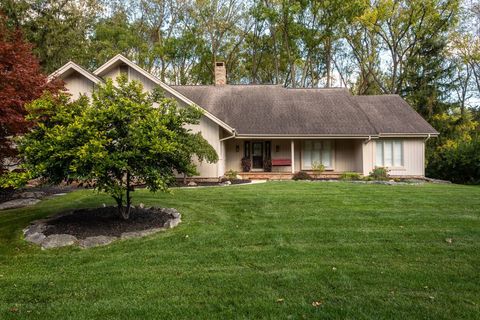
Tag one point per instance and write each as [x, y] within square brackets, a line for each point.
[76, 84]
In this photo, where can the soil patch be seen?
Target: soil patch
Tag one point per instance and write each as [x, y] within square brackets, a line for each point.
[105, 221]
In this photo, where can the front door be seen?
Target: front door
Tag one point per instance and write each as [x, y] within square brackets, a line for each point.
[257, 155]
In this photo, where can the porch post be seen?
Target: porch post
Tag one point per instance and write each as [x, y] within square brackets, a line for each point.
[292, 149]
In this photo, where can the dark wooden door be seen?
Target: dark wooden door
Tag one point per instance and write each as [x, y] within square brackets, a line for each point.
[257, 155]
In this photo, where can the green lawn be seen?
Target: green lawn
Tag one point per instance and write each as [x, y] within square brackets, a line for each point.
[362, 251]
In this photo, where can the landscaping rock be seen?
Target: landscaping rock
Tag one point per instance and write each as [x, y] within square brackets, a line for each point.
[32, 194]
[65, 229]
[140, 234]
[173, 212]
[38, 227]
[227, 183]
[437, 181]
[91, 242]
[18, 203]
[36, 238]
[58, 240]
[172, 223]
[192, 184]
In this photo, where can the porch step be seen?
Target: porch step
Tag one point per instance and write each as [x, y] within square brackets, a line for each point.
[285, 175]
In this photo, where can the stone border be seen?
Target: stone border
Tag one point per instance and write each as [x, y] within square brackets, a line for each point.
[34, 233]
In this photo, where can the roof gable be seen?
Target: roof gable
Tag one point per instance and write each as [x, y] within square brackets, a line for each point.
[70, 67]
[121, 59]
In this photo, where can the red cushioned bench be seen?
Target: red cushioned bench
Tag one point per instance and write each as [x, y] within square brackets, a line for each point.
[281, 162]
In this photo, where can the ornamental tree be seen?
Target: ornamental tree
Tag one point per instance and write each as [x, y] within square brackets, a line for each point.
[120, 138]
[21, 81]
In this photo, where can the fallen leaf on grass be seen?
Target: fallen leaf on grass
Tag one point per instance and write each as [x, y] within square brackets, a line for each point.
[317, 304]
[280, 300]
[448, 240]
[14, 309]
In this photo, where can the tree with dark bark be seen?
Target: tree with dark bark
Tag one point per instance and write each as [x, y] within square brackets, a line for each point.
[121, 138]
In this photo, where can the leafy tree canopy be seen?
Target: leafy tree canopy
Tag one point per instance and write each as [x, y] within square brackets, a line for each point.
[120, 138]
[21, 81]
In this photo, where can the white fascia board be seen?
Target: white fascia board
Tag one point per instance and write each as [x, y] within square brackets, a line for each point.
[72, 65]
[304, 136]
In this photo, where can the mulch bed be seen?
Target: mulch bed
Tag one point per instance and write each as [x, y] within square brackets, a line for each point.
[105, 221]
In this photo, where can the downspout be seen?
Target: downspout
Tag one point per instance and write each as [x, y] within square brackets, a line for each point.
[424, 144]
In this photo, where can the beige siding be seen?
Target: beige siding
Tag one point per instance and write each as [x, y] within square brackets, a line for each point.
[148, 84]
[76, 84]
[210, 131]
[347, 155]
[232, 157]
[113, 73]
[368, 157]
[413, 158]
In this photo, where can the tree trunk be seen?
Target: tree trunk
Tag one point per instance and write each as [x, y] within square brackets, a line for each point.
[328, 62]
[126, 212]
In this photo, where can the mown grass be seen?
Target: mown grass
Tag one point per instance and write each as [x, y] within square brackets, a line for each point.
[260, 252]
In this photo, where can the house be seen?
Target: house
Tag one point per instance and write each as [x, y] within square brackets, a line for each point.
[283, 130]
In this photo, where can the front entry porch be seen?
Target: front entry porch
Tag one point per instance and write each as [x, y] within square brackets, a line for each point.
[279, 159]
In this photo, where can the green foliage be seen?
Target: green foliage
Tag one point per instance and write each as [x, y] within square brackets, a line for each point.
[116, 140]
[455, 154]
[298, 241]
[301, 175]
[317, 167]
[379, 173]
[231, 175]
[349, 176]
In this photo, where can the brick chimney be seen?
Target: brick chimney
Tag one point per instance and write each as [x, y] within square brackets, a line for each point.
[220, 74]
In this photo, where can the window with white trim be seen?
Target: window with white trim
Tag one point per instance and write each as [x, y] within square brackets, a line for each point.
[389, 153]
[317, 151]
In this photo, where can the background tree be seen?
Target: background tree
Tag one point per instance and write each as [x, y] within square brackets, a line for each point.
[115, 141]
[20, 82]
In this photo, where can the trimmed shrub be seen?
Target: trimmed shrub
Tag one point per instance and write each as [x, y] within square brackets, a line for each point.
[301, 175]
[317, 167]
[349, 176]
[379, 173]
[231, 175]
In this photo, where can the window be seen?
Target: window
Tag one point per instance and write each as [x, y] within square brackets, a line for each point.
[317, 151]
[389, 153]
[246, 149]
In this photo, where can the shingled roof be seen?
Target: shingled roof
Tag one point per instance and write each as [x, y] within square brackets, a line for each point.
[275, 110]
[390, 114]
